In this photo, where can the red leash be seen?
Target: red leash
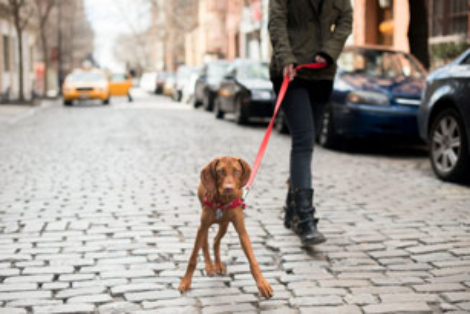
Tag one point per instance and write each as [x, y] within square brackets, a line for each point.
[267, 135]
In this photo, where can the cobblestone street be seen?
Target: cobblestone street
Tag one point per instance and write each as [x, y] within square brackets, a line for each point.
[98, 214]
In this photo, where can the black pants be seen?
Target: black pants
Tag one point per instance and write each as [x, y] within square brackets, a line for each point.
[303, 108]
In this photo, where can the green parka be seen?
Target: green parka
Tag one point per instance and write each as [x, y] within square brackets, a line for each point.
[299, 31]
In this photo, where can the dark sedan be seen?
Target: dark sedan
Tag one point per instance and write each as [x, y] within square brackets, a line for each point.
[444, 119]
[207, 84]
[376, 94]
[245, 91]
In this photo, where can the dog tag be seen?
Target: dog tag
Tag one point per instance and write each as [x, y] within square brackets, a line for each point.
[218, 213]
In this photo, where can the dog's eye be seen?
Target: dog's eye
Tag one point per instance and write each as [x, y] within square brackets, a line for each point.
[237, 172]
[221, 172]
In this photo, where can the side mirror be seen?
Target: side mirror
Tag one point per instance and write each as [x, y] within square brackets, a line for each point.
[231, 75]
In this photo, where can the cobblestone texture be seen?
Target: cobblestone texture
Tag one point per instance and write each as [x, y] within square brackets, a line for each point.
[98, 214]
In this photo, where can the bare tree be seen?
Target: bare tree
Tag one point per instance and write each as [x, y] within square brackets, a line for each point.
[180, 18]
[418, 31]
[133, 47]
[44, 8]
[21, 11]
[76, 35]
[125, 51]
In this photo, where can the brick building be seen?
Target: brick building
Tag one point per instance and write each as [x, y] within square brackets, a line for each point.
[207, 39]
[228, 29]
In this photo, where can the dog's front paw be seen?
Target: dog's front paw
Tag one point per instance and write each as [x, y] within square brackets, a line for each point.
[185, 285]
[265, 288]
[210, 270]
[220, 268]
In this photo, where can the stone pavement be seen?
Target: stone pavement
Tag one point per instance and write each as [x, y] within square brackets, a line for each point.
[98, 214]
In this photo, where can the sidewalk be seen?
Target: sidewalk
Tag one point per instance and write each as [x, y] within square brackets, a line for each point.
[12, 113]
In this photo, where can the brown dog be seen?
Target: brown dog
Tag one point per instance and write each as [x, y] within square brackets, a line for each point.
[220, 193]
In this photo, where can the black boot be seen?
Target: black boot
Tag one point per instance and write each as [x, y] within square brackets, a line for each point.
[306, 226]
[289, 212]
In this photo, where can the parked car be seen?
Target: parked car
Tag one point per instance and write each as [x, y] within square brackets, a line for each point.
[245, 91]
[148, 82]
[444, 119]
[188, 90]
[207, 85]
[376, 94]
[182, 79]
[120, 84]
[85, 85]
[160, 82]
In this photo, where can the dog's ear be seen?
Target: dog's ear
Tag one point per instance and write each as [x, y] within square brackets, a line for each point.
[208, 178]
[246, 172]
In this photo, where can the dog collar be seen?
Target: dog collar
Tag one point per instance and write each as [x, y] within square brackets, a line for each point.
[219, 206]
[236, 203]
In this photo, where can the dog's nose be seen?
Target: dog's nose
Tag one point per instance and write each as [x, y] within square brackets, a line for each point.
[229, 189]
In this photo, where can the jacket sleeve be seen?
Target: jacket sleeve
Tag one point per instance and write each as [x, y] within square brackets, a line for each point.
[277, 26]
[343, 28]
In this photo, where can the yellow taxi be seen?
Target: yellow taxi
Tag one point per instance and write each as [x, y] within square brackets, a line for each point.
[84, 85]
[120, 85]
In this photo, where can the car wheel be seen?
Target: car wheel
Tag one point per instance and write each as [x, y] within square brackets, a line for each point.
[448, 147]
[106, 101]
[176, 96]
[196, 102]
[68, 102]
[327, 136]
[207, 102]
[219, 114]
[241, 116]
[280, 123]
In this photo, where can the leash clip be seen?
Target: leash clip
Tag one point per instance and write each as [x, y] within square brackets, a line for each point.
[245, 194]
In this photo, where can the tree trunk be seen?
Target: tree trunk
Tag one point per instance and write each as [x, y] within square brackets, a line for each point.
[46, 61]
[418, 31]
[19, 34]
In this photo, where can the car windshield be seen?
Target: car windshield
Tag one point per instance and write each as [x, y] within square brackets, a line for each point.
[184, 73]
[85, 76]
[253, 71]
[118, 77]
[379, 64]
[217, 70]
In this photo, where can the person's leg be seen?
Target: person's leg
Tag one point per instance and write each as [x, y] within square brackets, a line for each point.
[296, 107]
[299, 114]
[320, 94]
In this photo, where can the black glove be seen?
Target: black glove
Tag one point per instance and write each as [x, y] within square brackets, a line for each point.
[327, 57]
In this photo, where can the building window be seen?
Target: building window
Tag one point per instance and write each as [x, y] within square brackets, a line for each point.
[458, 16]
[448, 17]
[6, 54]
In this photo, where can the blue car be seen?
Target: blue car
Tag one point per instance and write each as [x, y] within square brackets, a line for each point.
[444, 119]
[377, 94]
